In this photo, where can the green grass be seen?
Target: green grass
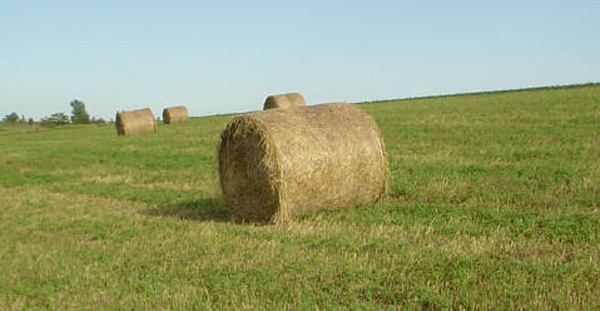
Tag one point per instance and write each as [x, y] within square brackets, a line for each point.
[494, 203]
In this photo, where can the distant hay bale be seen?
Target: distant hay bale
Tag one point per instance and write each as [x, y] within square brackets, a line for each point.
[135, 122]
[284, 101]
[280, 163]
[177, 114]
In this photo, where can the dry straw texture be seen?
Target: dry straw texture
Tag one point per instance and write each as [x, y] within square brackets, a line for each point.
[135, 122]
[284, 101]
[281, 163]
[175, 115]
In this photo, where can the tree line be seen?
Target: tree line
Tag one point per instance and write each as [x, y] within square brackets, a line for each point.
[79, 115]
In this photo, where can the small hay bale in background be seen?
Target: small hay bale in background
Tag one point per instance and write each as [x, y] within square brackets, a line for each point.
[284, 101]
[177, 114]
[280, 163]
[135, 122]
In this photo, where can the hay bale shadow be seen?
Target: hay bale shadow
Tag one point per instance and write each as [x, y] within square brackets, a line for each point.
[210, 209]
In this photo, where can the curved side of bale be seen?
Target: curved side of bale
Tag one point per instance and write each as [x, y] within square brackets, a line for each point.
[177, 114]
[284, 101]
[277, 164]
[135, 122]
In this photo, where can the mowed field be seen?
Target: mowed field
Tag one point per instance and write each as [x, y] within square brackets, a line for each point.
[494, 203]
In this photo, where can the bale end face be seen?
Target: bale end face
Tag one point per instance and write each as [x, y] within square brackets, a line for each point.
[247, 172]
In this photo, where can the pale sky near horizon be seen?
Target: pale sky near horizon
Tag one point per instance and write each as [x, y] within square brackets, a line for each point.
[220, 57]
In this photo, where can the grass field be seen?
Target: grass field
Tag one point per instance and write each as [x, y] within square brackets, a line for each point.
[494, 203]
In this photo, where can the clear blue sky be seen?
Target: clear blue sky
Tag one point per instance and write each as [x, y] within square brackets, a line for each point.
[227, 56]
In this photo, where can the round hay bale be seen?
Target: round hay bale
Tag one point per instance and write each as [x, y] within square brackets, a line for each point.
[175, 115]
[284, 101]
[280, 163]
[135, 122]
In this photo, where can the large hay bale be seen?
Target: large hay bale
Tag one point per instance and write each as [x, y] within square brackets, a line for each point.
[284, 101]
[175, 115]
[280, 163]
[135, 122]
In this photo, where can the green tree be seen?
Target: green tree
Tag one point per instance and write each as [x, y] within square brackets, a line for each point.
[79, 114]
[11, 118]
[97, 121]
